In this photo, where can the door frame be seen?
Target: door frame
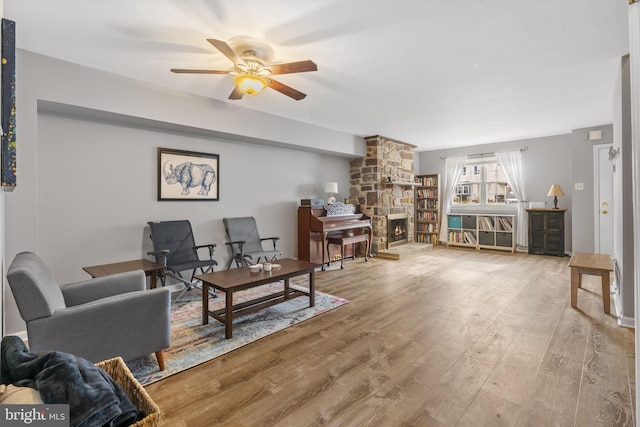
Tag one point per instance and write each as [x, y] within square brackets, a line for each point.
[596, 193]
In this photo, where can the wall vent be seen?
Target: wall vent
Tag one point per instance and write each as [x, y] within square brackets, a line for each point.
[595, 135]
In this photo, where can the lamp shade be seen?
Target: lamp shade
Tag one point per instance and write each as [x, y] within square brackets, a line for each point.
[555, 190]
[331, 187]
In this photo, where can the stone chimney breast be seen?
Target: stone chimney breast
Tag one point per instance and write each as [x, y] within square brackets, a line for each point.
[381, 185]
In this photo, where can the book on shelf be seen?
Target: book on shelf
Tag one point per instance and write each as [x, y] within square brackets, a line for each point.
[469, 237]
[485, 223]
[505, 224]
[428, 193]
[428, 204]
[427, 181]
[427, 238]
[428, 216]
[427, 228]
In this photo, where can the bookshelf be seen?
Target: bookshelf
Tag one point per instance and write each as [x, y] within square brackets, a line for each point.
[427, 218]
[463, 230]
[482, 231]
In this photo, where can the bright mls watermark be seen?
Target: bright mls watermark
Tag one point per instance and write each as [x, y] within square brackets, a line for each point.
[34, 415]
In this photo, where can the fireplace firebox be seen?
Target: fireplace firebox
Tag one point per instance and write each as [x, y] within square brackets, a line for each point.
[397, 230]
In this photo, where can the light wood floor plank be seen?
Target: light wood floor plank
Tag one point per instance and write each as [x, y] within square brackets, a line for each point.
[487, 409]
[447, 337]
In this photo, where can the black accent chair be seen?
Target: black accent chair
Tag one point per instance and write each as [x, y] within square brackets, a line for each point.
[245, 242]
[174, 246]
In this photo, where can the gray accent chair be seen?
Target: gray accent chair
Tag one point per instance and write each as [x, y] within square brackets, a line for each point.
[175, 247]
[95, 319]
[245, 242]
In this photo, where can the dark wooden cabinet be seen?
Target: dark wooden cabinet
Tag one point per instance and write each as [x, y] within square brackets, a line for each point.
[546, 231]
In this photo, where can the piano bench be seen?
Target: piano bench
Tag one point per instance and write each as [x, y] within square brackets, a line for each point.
[343, 240]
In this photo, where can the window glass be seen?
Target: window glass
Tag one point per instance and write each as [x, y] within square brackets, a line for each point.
[483, 184]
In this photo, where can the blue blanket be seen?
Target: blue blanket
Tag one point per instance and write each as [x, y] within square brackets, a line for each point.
[94, 398]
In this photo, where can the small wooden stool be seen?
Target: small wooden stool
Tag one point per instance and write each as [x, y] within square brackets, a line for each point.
[344, 239]
[593, 264]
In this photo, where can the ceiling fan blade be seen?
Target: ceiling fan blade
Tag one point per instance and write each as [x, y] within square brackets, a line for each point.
[226, 50]
[236, 93]
[293, 67]
[183, 70]
[286, 90]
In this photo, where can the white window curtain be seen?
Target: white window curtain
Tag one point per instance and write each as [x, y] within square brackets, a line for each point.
[511, 163]
[453, 171]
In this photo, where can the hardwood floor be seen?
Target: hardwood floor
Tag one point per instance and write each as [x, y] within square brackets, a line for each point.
[453, 337]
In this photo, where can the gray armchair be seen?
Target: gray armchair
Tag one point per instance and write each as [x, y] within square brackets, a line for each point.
[96, 319]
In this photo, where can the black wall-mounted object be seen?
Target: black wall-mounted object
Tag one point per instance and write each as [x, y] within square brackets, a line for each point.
[8, 106]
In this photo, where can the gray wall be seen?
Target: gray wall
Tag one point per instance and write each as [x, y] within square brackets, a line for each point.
[583, 203]
[87, 168]
[546, 161]
[559, 159]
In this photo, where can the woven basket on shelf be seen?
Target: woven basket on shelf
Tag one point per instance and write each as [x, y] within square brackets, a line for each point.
[121, 374]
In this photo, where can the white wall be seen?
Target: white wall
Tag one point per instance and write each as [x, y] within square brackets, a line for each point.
[623, 197]
[634, 81]
[87, 173]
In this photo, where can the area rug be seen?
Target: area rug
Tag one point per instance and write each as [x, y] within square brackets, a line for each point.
[193, 343]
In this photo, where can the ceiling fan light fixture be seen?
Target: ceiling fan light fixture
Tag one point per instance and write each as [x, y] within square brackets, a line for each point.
[251, 74]
[250, 84]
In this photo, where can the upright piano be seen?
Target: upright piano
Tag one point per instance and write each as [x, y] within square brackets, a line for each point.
[314, 226]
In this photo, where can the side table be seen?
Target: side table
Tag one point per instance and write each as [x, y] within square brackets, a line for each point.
[150, 269]
[592, 264]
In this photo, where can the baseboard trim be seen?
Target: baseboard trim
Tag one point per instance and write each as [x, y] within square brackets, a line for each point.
[624, 321]
[627, 322]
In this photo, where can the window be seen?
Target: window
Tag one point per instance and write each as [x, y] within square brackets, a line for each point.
[483, 183]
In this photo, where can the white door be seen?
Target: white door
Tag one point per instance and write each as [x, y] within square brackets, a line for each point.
[603, 196]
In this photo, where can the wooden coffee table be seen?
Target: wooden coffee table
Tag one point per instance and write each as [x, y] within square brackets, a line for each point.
[150, 269]
[238, 279]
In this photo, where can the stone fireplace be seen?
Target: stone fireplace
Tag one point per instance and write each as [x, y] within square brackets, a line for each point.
[382, 184]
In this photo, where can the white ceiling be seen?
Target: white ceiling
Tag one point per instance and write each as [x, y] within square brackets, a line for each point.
[433, 73]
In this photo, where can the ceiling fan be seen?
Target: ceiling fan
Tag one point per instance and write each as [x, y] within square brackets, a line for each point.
[252, 74]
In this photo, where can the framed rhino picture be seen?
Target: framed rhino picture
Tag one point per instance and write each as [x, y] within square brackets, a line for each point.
[188, 175]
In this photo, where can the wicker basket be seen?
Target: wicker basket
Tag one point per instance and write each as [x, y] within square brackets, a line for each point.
[121, 374]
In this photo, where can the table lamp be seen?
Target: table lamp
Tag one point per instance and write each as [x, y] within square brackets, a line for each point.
[331, 188]
[555, 191]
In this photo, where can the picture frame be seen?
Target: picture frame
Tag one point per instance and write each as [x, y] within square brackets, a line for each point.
[188, 175]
